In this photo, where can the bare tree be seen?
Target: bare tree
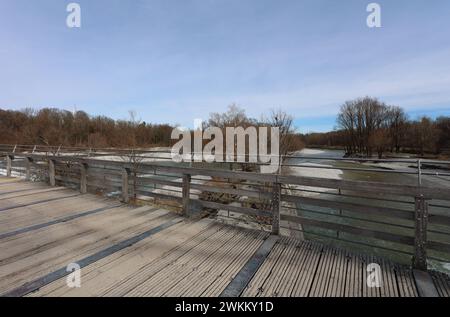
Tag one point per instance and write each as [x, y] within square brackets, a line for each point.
[424, 135]
[233, 117]
[289, 140]
[397, 119]
[380, 141]
[360, 118]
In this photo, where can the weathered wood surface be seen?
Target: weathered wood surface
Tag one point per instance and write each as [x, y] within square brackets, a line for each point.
[123, 253]
[238, 284]
[300, 268]
[360, 186]
[442, 283]
[99, 176]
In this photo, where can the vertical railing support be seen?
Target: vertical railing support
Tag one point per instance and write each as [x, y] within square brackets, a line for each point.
[9, 159]
[83, 178]
[125, 185]
[276, 202]
[133, 185]
[186, 194]
[420, 239]
[419, 172]
[51, 172]
[28, 161]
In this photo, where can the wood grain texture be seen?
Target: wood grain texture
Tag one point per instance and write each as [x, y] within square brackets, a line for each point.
[149, 251]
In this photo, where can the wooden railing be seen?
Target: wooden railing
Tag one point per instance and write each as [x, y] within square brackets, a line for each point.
[413, 221]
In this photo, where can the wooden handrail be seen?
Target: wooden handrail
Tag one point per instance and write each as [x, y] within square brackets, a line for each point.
[121, 173]
[360, 186]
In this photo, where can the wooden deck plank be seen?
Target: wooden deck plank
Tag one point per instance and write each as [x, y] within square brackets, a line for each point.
[338, 275]
[280, 271]
[191, 258]
[270, 274]
[389, 283]
[30, 260]
[424, 284]
[410, 282]
[238, 284]
[318, 288]
[40, 198]
[256, 286]
[25, 188]
[226, 262]
[357, 276]
[172, 276]
[442, 283]
[103, 275]
[350, 282]
[218, 286]
[41, 267]
[307, 274]
[369, 291]
[332, 288]
[91, 272]
[273, 282]
[49, 212]
[363, 268]
[232, 264]
[405, 282]
[56, 221]
[125, 286]
[293, 270]
[5, 181]
[217, 258]
[32, 190]
[44, 239]
[148, 285]
[62, 272]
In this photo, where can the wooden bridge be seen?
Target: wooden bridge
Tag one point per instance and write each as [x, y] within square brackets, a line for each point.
[150, 249]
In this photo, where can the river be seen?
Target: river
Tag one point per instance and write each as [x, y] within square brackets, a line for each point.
[320, 163]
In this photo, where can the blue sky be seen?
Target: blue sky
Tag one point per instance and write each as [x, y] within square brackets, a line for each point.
[176, 60]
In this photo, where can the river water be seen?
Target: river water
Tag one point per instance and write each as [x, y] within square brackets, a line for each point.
[320, 163]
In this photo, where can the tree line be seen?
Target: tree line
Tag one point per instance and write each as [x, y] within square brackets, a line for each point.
[367, 126]
[51, 126]
[235, 116]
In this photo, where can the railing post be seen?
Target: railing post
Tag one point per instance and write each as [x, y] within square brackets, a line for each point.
[419, 172]
[133, 186]
[125, 189]
[83, 178]
[8, 165]
[420, 239]
[186, 194]
[276, 201]
[51, 172]
[28, 161]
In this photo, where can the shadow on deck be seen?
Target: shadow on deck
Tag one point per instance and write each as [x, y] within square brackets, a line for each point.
[148, 251]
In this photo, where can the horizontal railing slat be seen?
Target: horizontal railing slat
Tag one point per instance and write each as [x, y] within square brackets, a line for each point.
[152, 180]
[354, 207]
[357, 186]
[119, 175]
[232, 191]
[368, 187]
[159, 196]
[350, 229]
[238, 209]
